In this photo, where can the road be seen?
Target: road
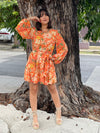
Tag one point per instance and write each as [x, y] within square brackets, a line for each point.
[12, 65]
[87, 64]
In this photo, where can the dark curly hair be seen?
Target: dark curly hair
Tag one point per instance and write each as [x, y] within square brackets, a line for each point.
[38, 24]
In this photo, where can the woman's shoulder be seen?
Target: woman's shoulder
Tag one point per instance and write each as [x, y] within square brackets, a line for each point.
[54, 31]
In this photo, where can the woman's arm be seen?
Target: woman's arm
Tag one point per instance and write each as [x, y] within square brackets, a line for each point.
[24, 28]
[61, 49]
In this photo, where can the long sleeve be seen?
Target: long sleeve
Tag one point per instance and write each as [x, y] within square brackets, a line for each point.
[25, 30]
[61, 49]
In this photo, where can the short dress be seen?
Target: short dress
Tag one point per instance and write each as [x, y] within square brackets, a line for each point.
[39, 66]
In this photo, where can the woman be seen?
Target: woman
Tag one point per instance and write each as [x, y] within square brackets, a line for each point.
[40, 65]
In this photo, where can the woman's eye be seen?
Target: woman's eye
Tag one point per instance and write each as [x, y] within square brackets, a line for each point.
[43, 14]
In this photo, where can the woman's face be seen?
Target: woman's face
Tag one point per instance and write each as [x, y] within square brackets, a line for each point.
[44, 19]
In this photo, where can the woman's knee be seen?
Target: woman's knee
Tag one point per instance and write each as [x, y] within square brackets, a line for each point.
[51, 87]
[33, 86]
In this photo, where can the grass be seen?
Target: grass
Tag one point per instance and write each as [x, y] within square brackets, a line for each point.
[15, 46]
[94, 47]
[91, 50]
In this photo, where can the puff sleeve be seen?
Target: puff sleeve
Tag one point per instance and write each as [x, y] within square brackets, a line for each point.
[61, 49]
[25, 30]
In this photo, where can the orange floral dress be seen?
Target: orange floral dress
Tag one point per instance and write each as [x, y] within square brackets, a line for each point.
[40, 67]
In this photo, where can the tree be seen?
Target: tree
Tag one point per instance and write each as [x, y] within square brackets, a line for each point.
[88, 15]
[76, 98]
[87, 11]
[9, 18]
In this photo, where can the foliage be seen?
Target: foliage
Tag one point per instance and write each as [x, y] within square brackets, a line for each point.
[89, 15]
[15, 46]
[8, 14]
[10, 17]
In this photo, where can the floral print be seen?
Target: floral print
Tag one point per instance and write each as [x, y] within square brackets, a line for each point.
[40, 67]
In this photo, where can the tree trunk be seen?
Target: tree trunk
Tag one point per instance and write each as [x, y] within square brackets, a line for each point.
[76, 99]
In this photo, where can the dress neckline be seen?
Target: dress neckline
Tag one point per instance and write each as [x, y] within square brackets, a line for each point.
[44, 32]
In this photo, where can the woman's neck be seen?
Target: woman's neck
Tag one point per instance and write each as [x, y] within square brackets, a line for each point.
[44, 28]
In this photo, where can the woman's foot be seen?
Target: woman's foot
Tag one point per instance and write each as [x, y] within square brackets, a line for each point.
[35, 120]
[58, 116]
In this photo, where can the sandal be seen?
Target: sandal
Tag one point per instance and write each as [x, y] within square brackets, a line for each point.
[35, 124]
[58, 120]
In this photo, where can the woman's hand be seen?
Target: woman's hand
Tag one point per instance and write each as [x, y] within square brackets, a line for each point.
[34, 18]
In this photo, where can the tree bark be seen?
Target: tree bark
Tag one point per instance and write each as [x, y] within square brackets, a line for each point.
[76, 98]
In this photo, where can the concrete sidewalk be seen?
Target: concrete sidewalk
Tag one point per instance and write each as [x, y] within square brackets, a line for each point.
[15, 121]
[10, 83]
[94, 79]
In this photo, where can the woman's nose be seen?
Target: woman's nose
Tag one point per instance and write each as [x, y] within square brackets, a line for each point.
[44, 15]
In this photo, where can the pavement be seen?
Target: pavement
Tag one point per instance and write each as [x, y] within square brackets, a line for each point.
[15, 121]
[10, 83]
[94, 79]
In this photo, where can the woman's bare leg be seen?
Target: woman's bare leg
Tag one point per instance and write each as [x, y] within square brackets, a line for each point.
[33, 90]
[55, 96]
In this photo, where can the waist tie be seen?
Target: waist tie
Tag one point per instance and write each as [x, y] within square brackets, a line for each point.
[40, 54]
[45, 61]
